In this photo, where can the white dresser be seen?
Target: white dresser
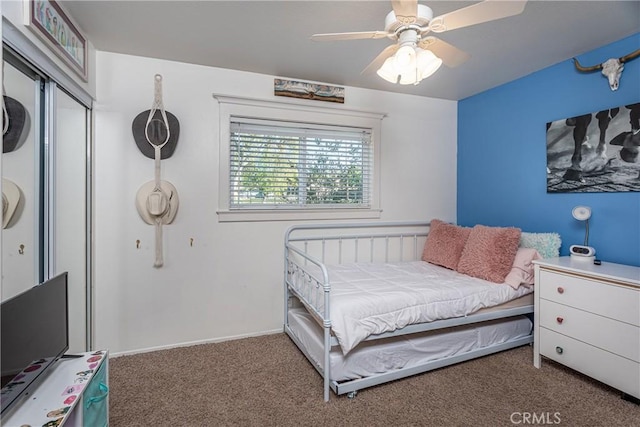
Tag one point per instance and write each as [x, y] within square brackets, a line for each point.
[587, 317]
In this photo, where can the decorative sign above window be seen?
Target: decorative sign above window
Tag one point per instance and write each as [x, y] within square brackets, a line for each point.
[318, 92]
[52, 25]
[595, 152]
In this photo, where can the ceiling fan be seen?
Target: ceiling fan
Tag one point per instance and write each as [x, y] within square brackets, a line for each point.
[416, 54]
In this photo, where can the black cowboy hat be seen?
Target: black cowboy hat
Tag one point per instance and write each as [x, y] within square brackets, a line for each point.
[157, 133]
[11, 139]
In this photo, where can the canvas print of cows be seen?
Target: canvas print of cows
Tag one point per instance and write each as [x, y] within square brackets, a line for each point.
[595, 152]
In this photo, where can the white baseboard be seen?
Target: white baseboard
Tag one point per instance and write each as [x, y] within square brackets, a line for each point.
[192, 343]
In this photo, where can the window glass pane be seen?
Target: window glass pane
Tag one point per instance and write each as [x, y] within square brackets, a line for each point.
[282, 164]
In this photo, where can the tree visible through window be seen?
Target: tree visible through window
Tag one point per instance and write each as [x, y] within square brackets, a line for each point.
[282, 164]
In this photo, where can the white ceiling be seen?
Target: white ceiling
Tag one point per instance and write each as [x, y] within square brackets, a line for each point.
[272, 37]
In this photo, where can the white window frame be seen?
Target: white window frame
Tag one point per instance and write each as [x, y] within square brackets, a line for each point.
[294, 112]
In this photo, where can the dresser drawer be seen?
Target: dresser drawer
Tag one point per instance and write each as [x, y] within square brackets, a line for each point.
[609, 368]
[617, 337]
[613, 301]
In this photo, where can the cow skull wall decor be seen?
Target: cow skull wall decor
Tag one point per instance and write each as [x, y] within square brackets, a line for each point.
[611, 68]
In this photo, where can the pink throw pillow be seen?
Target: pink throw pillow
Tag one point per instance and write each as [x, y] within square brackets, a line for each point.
[489, 252]
[445, 243]
[522, 270]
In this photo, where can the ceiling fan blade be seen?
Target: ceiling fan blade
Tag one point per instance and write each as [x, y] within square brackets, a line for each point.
[451, 56]
[405, 10]
[478, 13]
[350, 36]
[377, 63]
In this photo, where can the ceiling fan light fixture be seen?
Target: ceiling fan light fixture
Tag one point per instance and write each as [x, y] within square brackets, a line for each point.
[410, 77]
[388, 70]
[427, 63]
[409, 24]
[424, 64]
[391, 72]
[405, 58]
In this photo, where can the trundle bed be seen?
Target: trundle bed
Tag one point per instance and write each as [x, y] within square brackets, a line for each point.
[365, 309]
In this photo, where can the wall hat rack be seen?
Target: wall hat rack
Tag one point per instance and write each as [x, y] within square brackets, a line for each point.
[157, 200]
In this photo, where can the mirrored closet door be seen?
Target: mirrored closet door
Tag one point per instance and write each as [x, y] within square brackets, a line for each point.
[68, 206]
[48, 231]
[22, 205]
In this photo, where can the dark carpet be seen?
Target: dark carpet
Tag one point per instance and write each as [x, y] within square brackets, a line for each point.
[266, 381]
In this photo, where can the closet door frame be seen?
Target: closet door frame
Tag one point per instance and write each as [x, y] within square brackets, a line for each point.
[52, 78]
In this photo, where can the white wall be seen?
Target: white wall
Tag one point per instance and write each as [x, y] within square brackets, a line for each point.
[229, 283]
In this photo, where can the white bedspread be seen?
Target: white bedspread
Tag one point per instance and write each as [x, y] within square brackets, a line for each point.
[369, 299]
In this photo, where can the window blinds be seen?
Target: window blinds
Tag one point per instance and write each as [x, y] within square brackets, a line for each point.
[298, 165]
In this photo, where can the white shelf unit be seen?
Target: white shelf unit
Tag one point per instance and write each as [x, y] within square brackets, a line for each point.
[75, 393]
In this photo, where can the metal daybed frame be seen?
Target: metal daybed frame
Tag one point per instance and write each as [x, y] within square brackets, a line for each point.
[321, 245]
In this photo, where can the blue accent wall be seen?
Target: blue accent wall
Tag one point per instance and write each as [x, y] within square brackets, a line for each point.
[502, 155]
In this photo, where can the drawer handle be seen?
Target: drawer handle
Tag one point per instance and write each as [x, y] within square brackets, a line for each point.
[559, 319]
[560, 290]
[559, 350]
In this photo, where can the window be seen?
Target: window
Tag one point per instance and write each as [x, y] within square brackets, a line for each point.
[298, 165]
[284, 161]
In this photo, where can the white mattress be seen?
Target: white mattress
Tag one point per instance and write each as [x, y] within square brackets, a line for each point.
[369, 298]
[379, 356]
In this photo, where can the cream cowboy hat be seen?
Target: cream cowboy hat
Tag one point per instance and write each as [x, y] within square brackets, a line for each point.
[153, 204]
[11, 196]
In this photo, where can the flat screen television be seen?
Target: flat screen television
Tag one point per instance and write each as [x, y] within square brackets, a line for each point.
[34, 335]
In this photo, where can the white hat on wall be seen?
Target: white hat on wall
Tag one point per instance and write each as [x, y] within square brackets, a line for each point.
[11, 196]
[153, 204]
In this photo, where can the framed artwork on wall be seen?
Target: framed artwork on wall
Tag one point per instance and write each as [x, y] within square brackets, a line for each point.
[47, 20]
[304, 90]
[595, 152]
